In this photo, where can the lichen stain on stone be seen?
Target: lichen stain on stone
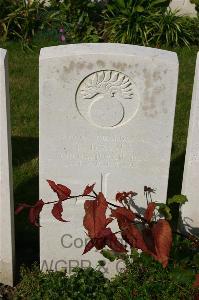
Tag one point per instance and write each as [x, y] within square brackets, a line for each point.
[70, 67]
[153, 88]
[100, 63]
[156, 75]
[119, 66]
[79, 65]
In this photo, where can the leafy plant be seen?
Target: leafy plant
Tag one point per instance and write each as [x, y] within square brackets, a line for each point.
[146, 23]
[83, 284]
[144, 278]
[24, 20]
[173, 30]
[149, 232]
[131, 22]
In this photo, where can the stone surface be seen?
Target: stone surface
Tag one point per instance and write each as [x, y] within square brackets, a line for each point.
[190, 186]
[184, 6]
[6, 193]
[106, 116]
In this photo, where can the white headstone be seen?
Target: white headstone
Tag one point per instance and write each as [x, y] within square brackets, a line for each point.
[106, 116]
[6, 192]
[185, 7]
[190, 186]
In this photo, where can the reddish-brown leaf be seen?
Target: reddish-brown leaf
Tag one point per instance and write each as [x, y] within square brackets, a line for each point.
[62, 191]
[89, 246]
[132, 235]
[149, 211]
[105, 237]
[95, 215]
[162, 235]
[21, 207]
[113, 243]
[121, 196]
[35, 211]
[196, 282]
[122, 212]
[88, 189]
[149, 241]
[57, 211]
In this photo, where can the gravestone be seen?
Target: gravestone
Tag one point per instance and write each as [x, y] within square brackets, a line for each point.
[106, 116]
[6, 193]
[190, 187]
[185, 7]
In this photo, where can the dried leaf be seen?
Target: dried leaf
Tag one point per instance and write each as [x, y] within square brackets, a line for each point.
[196, 282]
[163, 241]
[34, 212]
[57, 211]
[62, 191]
[149, 212]
[88, 189]
[89, 246]
[21, 207]
[95, 215]
[124, 195]
[122, 212]
[105, 238]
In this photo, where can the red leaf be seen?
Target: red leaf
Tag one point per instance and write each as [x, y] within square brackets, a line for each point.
[89, 246]
[95, 215]
[35, 211]
[105, 237]
[124, 195]
[196, 282]
[122, 212]
[130, 233]
[21, 207]
[88, 189]
[57, 211]
[163, 241]
[149, 211]
[62, 191]
[113, 243]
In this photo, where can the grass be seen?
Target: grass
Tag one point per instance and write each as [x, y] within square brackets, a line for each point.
[23, 71]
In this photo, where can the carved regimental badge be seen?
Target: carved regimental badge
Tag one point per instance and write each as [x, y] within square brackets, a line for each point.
[107, 99]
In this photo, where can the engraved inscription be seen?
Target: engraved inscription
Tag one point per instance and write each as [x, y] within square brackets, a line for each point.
[104, 151]
[107, 99]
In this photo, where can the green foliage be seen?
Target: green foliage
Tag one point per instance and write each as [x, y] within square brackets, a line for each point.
[141, 22]
[80, 19]
[173, 30]
[23, 20]
[145, 23]
[177, 199]
[164, 210]
[130, 22]
[82, 285]
[143, 279]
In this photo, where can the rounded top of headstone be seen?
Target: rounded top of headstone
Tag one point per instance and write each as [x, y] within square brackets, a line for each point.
[108, 48]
